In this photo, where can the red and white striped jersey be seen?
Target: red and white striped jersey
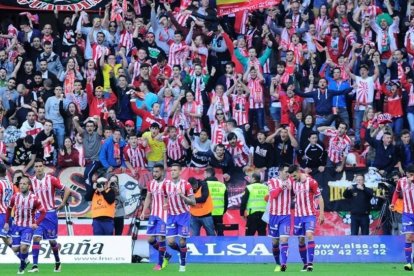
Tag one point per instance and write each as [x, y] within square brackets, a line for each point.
[175, 149]
[240, 110]
[6, 193]
[125, 40]
[25, 208]
[45, 189]
[157, 204]
[240, 154]
[256, 93]
[407, 189]
[3, 150]
[305, 193]
[177, 54]
[193, 121]
[176, 204]
[338, 145]
[136, 156]
[280, 206]
[218, 133]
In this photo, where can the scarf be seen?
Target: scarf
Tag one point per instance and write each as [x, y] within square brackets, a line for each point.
[117, 153]
[69, 82]
[256, 90]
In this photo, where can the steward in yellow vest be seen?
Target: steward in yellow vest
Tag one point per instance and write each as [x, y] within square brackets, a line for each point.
[102, 208]
[253, 206]
[201, 212]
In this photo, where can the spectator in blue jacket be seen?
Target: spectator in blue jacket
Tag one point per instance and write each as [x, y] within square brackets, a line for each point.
[111, 155]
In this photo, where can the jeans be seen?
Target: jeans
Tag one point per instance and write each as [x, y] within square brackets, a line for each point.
[59, 130]
[397, 126]
[322, 121]
[206, 222]
[343, 115]
[359, 115]
[258, 114]
[275, 113]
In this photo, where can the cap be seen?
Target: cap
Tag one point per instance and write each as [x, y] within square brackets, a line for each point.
[130, 123]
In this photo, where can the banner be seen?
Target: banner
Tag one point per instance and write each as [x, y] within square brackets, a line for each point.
[60, 5]
[80, 250]
[342, 249]
[226, 7]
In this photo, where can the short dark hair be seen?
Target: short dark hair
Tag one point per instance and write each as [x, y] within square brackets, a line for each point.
[159, 166]
[405, 131]
[231, 136]
[39, 160]
[410, 168]
[343, 123]
[3, 170]
[176, 165]
[210, 171]
[28, 139]
[293, 168]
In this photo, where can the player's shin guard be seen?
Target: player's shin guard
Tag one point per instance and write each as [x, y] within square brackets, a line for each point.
[276, 254]
[55, 250]
[161, 252]
[408, 251]
[155, 244]
[284, 252]
[303, 253]
[35, 252]
[311, 251]
[183, 254]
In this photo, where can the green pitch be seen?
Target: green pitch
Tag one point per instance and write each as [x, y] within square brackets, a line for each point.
[213, 269]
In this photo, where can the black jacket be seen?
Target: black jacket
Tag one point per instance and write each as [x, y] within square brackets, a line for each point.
[361, 200]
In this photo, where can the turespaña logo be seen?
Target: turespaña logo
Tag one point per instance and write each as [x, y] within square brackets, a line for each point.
[61, 5]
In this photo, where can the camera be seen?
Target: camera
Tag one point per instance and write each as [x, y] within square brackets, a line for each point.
[113, 184]
[100, 183]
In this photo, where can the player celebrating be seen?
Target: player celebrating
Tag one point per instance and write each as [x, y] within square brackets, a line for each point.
[179, 195]
[25, 204]
[44, 186]
[306, 190]
[405, 186]
[156, 224]
[279, 215]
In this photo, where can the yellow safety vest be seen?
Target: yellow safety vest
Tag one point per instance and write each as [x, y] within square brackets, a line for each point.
[217, 190]
[256, 202]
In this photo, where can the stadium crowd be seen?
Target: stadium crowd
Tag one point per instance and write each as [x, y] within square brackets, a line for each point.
[173, 83]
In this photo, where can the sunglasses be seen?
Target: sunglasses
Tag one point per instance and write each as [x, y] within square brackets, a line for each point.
[219, 113]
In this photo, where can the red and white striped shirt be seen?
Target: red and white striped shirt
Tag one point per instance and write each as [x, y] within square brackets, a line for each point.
[45, 189]
[176, 204]
[6, 193]
[3, 150]
[177, 54]
[218, 133]
[25, 208]
[256, 99]
[157, 204]
[280, 205]
[240, 110]
[136, 156]
[125, 40]
[407, 189]
[305, 193]
[175, 149]
[338, 145]
[240, 154]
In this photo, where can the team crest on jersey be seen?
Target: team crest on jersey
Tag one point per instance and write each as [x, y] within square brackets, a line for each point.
[62, 5]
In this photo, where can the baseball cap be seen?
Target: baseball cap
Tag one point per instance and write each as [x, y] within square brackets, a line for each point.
[130, 123]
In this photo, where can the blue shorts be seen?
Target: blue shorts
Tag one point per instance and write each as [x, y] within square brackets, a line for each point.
[156, 226]
[2, 222]
[178, 225]
[303, 225]
[279, 226]
[21, 235]
[48, 228]
[407, 223]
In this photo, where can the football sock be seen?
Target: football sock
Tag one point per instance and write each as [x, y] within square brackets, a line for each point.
[183, 254]
[408, 251]
[303, 253]
[35, 252]
[311, 251]
[284, 251]
[55, 249]
[161, 252]
[276, 254]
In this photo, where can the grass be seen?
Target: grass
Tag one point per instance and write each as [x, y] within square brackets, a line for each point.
[212, 269]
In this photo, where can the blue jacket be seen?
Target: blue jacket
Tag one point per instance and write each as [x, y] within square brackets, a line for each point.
[323, 102]
[337, 101]
[106, 156]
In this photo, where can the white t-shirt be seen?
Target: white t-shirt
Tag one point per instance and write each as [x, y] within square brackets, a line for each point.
[364, 92]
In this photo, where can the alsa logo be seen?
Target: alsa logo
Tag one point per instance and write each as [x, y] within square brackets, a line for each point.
[61, 5]
[232, 249]
[82, 248]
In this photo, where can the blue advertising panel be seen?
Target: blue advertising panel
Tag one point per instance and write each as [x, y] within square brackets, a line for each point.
[340, 249]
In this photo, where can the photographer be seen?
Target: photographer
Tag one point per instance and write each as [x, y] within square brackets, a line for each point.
[360, 205]
[102, 196]
[119, 205]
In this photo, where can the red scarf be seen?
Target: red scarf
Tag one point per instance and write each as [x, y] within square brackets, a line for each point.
[69, 82]
[117, 153]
